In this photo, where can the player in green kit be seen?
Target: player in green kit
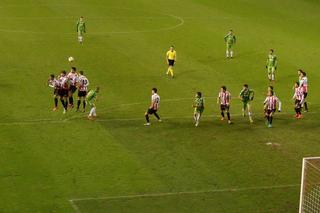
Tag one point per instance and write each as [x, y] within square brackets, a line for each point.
[91, 99]
[246, 96]
[198, 108]
[81, 29]
[230, 40]
[271, 65]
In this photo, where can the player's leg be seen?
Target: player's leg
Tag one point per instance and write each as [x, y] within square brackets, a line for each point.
[249, 112]
[231, 51]
[80, 36]
[227, 51]
[222, 108]
[273, 73]
[244, 108]
[55, 102]
[148, 112]
[157, 116]
[70, 95]
[305, 102]
[92, 112]
[78, 101]
[228, 114]
[269, 73]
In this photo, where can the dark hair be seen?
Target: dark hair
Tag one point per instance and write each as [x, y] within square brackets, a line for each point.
[52, 75]
[199, 94]
[224, 88]
[154, 90]
[303, 72]
[271, 92]
[74, 68]
[81, 72]
[64, 72]
[245, 85]
[271, 87]
[271, 50]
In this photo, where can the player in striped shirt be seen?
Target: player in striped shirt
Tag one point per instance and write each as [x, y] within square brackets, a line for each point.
[63, 90]
[54, 83]
[73, 78]
[224, 99]
[82, 84]
[298, 98]
[303, 83]
[154, 106]
[270, 106]
[270, 88]
[198, 108]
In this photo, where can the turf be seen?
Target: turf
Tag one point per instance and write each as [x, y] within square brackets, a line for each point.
[48, 158]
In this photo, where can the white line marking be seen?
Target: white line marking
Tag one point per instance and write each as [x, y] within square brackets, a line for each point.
[73, 201]
[74, 206]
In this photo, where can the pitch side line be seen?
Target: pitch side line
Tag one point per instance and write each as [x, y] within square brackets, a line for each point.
[76, 208]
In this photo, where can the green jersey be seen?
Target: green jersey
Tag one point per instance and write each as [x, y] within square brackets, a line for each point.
[199, 104]
[230, 39]
[91, 96]
[272, 60]
[81, 26]
[247, 95]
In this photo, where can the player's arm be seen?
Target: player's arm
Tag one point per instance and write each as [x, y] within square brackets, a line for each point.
[234, 39]
[275, 62]
[77, 26]
[279, 105]
[84, 27]
[252, 96]
[175, 57]
[218, 99]
[167, 58]
[225, 38]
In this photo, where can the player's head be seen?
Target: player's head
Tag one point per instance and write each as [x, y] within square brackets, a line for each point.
[63, 72]
[52, 76]
[301, 72]
[223, 88]
[198, 94]
[81, 18]
[231, 31]
[154, 90]
[270, 93]
[97, 89]
[171, 48]
[245, 86]
[270, 88]
[81, 72]
[271, 51]
[73, 69]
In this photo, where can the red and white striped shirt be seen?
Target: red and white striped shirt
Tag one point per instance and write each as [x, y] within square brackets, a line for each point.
[83, 83]
[303, 83]
[73, 77]
[298, 94]
[63, 81]
[224, 98]
[155, 100]
[54, 83]
[271, 102]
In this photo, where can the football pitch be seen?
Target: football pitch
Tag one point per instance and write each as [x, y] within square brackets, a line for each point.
[55, 162]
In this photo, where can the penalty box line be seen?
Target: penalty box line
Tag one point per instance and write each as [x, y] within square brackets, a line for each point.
[165, 194]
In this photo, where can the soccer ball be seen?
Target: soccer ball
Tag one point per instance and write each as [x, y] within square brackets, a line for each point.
[70, 59]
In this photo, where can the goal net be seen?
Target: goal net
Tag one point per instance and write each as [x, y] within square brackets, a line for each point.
[310, 186]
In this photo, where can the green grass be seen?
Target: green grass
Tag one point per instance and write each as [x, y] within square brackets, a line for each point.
[48, 158]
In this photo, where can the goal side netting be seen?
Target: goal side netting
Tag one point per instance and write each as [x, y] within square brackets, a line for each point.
[310, 186]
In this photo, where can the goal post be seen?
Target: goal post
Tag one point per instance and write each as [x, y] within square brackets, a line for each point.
[310, 186]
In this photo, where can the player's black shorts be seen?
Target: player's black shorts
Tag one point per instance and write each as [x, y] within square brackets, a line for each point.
[56, 92]
[224, 107]
[82, 93]
[298, 104]
[63, 92]
[171, 62]
[72, 88]
[305, 94]
[269, 111]
[151, 111]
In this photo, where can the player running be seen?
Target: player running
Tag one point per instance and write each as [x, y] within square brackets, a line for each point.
[81, 29]
[171, 58]
[230, 40]
[224, 99]
[63, 90]
[73, 78]
[83, 84]
[198, 108]
[91, 99]
[154, 106]
[246, 96]
[270, 105]
[271, 65]
[298, 98]
[303, 83]
[54, 83]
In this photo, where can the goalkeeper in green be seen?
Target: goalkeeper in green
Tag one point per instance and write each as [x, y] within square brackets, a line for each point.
[198, 108]
[230, 40]
[81, 29]
[246, 96]
[271, 65]
[91, 99]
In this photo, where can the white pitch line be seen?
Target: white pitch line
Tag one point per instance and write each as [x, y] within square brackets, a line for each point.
[183, 193]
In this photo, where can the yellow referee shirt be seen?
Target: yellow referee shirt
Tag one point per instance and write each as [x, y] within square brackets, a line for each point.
[171, 55]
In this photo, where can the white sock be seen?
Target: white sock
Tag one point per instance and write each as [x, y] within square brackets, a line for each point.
[91, 111]
[272, 77]
[80, 38]
[227, 54]
[198, 118]
[94, 112]
[231, 53]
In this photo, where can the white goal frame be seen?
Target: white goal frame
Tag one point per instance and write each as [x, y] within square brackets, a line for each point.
[303, 185]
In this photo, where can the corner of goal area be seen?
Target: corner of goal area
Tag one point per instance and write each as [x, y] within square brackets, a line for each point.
[216, 200]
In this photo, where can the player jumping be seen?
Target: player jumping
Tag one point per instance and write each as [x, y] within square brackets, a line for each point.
[73, 78]
[270, 105]
[198, 108]
[171, 58]
[271, 65]
[91, 99]
[224, 99]
[54, 83]
[83, 84]
[81, 29]
[246, 96]
[154, 106]
[230, 40]
[298, 98]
